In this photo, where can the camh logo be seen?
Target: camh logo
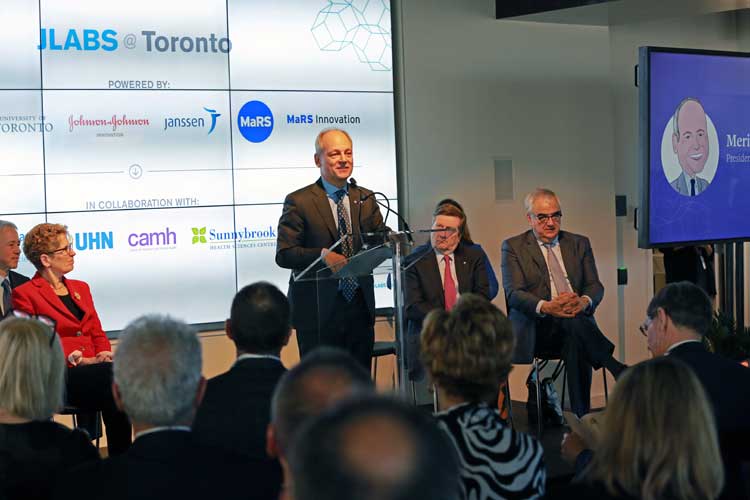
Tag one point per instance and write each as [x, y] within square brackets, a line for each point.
[199, 235]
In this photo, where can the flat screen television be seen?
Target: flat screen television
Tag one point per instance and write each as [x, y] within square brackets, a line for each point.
[694, 125]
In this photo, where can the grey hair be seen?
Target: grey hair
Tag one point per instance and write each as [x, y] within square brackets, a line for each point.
[539, 192]
[7, 223]
[319, 147]
[157, 368]
[675, 125]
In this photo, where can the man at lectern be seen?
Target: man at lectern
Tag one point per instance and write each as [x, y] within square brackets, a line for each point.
[338, 312]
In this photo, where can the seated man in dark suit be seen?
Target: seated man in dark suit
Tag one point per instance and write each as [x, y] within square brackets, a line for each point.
[552, 289]
[678, 318]
[10, 252]
[236, 409]
[158, 384]
[428, 285]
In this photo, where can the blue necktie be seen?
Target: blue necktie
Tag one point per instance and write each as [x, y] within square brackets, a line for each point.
[6, 297]
[692, 187]
[348, 286]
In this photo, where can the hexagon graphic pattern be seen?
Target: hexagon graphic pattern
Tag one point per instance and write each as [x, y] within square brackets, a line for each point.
[364, 25]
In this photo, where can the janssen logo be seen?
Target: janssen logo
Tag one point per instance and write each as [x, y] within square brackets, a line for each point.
[100, 240]
[255, 121]
[73, 39]
[193, 121]
[153, 240]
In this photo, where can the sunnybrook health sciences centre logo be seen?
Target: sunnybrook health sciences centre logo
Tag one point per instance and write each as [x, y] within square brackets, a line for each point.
[255, 121]
[241, 237]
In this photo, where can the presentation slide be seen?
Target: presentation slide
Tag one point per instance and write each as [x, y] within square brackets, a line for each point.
[699, 147]
[167, 143]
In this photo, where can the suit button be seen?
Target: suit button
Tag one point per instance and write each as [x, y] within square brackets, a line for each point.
[78, 334]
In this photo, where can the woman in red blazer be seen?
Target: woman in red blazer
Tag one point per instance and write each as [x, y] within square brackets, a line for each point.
[70, 305]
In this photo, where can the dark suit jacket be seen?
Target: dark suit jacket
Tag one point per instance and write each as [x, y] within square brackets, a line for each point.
[423, 288]
[306, 227]
[86, 335]
[236, 408]
[169, 464]
[526, 282]
[727, 384]
[16, 279]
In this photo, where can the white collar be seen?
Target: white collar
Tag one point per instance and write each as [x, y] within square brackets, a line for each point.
[671, 348]
[255, 356]
[152, 430]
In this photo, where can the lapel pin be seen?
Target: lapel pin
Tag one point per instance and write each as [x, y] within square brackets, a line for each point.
[76, 295]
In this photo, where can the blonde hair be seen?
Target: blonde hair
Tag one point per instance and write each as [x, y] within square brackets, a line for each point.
[42, 239]
[659, 439]
[32, 372]
[467, 352]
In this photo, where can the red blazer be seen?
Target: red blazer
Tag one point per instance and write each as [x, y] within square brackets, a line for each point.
[37, 297]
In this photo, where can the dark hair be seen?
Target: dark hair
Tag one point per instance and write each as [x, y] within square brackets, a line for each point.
[320, 380]
[468, 351]
[687, 304]
[450, 202]
[260, 319]
[354, 452]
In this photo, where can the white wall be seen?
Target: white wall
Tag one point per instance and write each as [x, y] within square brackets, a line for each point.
[559, 100]
[551, 119]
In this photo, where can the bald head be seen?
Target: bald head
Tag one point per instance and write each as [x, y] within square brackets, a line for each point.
[322, 379]
[373, 449]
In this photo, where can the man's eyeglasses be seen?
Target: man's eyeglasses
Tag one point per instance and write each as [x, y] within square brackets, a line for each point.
[450, 231]
[543, 218]
[46, 320]
[645, 326]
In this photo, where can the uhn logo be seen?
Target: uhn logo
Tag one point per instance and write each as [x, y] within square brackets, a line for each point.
[94, 241]
[255, 121]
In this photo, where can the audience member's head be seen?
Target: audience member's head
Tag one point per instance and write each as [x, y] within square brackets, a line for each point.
[157, 372]
[32, 369]
[42, 239]
[468, 351]
[322, 379]
[659, 438]
[679, 311]
[373, 449]
[259, 322]
[465, 233]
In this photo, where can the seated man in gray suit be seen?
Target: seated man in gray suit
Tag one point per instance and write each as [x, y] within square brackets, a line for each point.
[10, 252]
[690, 144]
[428, 285]
[552, 289]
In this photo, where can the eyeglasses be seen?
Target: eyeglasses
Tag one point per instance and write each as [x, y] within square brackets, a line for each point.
[543, 218]
[645, 326]
[46, 320]
[66, 249]
[450, 231]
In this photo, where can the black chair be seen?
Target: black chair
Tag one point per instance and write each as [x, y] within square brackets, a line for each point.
[383, 347]
[76, 412]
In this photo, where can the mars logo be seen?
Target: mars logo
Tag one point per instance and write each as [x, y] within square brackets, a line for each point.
[255, 121]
